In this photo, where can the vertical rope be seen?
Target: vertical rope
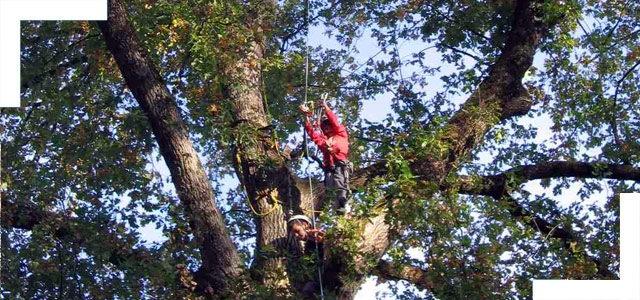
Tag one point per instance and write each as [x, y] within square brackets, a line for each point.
[313, 220]
[306, 94]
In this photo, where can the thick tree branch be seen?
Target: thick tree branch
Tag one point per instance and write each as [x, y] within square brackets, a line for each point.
[220, 260]
[499, 97]
[417, 276]
[272, 189]
[496, 185]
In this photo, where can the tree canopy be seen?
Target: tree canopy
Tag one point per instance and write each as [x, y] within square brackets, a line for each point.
[143, 119]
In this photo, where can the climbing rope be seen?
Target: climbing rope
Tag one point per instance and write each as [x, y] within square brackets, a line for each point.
[244, 189]
[313, 220]
[306, 92]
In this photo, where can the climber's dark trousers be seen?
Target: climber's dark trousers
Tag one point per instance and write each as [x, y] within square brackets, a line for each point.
[336, 182]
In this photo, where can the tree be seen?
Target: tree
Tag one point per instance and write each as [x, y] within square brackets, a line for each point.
[188, 82]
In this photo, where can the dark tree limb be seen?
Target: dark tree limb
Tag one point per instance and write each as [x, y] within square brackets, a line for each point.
[272, 189]
[614, 119]
[496, 185]
[454, 49]
[220, 260]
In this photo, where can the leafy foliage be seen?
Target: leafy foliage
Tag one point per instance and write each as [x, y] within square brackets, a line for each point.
[81, 153]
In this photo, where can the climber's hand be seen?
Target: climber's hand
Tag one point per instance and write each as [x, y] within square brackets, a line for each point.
[305, 110]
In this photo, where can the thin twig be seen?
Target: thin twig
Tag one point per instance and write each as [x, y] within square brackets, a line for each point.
[70, 47]
[454, 49]
[297, 30]
[619, 19]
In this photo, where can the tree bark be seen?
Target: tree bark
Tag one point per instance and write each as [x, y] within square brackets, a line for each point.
[220, 260]
[416, 276]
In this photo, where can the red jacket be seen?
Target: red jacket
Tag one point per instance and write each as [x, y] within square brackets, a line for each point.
[339, 140]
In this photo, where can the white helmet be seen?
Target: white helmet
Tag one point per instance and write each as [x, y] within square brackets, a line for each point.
[301, 218]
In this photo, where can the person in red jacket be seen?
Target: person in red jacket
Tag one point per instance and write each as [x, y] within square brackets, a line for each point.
[333, 141]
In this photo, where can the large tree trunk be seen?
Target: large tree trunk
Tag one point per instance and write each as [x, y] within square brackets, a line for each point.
[220, 261]
[269, 190]
[275, 192]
